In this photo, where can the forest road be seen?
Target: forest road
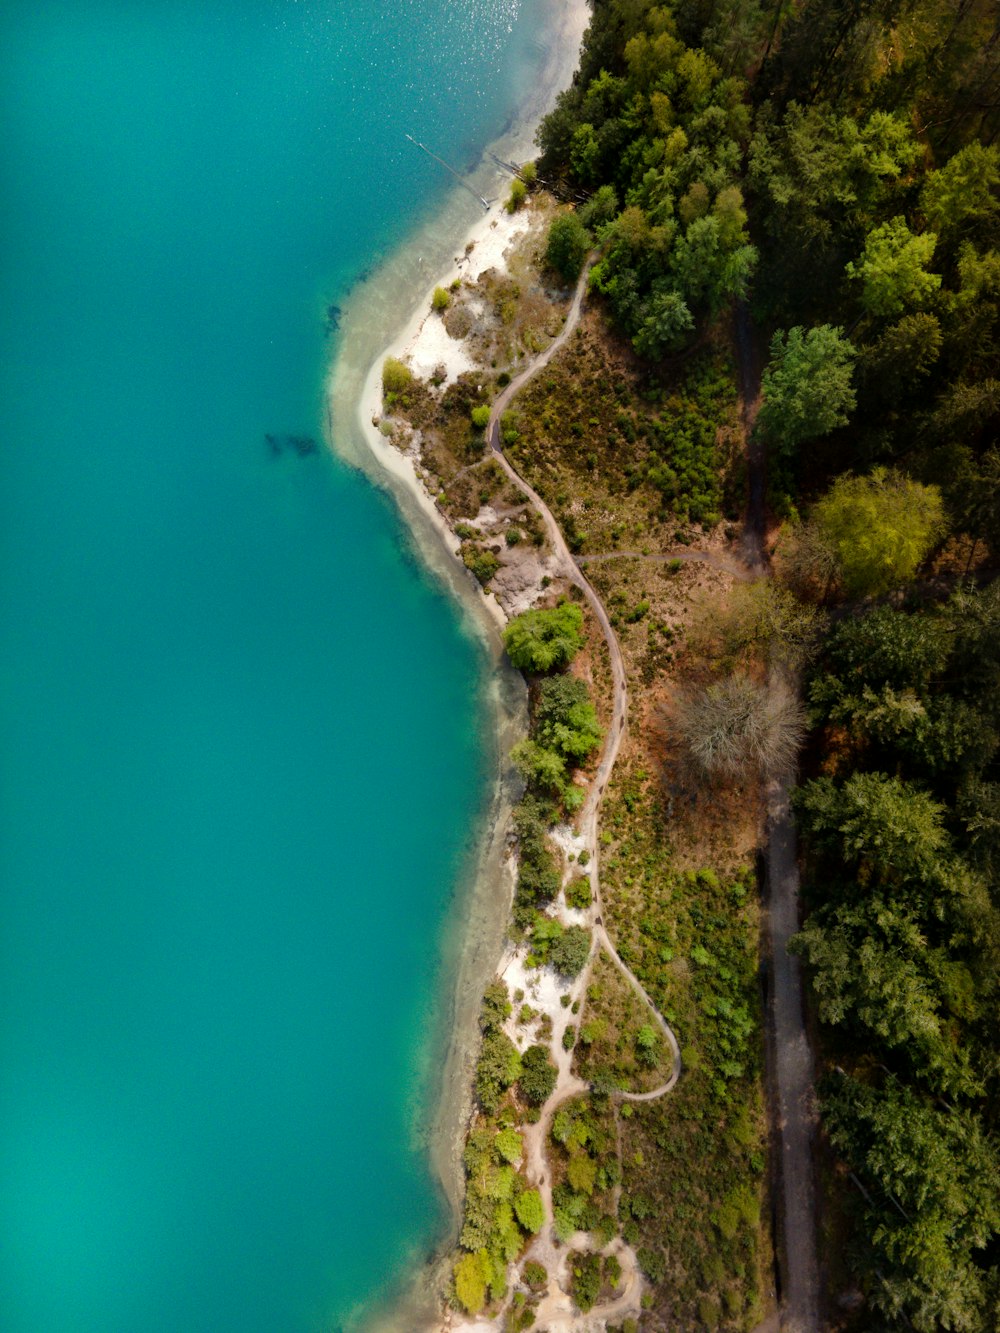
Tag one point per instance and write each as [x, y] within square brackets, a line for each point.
[793, 1073]
[792, 1096]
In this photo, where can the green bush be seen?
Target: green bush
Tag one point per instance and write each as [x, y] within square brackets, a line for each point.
[586, 1284]
[652, 1263]
[685, 463]
[441, 299]
[647, 1042]
[518, 194]
[569, 953]
[395, 376]
[535, 1274]
[539, 641]
[530, 1211]
[578, 893]
[481, 416]
[567, 246]
[538, 1075]
[482, 562]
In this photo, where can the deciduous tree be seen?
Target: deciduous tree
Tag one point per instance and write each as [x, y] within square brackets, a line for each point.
[893, 269]
[538, 641]
[880, 528]
[807, 386]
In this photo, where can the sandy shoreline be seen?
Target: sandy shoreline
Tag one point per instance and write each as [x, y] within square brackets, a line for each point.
[397, 297]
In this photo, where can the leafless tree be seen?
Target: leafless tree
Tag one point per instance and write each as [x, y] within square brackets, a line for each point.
[738, 724]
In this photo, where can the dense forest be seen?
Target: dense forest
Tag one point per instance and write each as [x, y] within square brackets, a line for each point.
[827, 173]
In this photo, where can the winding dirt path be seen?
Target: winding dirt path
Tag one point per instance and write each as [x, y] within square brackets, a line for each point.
[791, 1059]
[556, 1311]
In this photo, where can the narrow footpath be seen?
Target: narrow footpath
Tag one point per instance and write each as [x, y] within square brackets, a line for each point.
[554, 1311]
[790, 1060]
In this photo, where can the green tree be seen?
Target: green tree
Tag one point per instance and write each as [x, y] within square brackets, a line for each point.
[530, 1211]
[569, 953]
[565, 717]
[886, 647]
[893, 268]
[872, 968]
[883, 827]
[538, 641]
[496, 1006]
[472, 1273]
[541, 768]
[903, 355]
[815, 169]
[880, 528]
[706, 272]
[441, 299]
[538, 1075]
[759, 617]
[538, 875]
[499, 1066]
[509, 1145]
[582, 1173]
[806, 385]
[979, 505]
[979, 811]
[931, 1205]
[664, 323]
[964, 190]
[567, 246]
[396, 377]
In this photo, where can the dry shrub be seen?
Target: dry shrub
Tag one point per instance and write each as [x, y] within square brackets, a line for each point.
[757, 621]
[738, 724]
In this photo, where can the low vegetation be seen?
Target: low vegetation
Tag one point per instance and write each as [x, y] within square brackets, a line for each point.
[858, 150]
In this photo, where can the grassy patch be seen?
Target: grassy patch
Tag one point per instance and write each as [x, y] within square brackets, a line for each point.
[620, 1044]
[626, 457]
[694, 1160]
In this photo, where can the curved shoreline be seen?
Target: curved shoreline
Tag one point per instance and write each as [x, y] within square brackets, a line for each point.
[473, 938]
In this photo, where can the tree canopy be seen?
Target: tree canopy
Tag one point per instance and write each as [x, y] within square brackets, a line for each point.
[567, 246]
[857, 146]
[893, 268]
[807, 386]
[538, 641]
[880, 528]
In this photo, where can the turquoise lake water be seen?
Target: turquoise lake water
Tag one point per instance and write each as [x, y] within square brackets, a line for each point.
[243, 744]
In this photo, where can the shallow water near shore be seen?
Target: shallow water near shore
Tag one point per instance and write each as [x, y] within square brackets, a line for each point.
[247, 738]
